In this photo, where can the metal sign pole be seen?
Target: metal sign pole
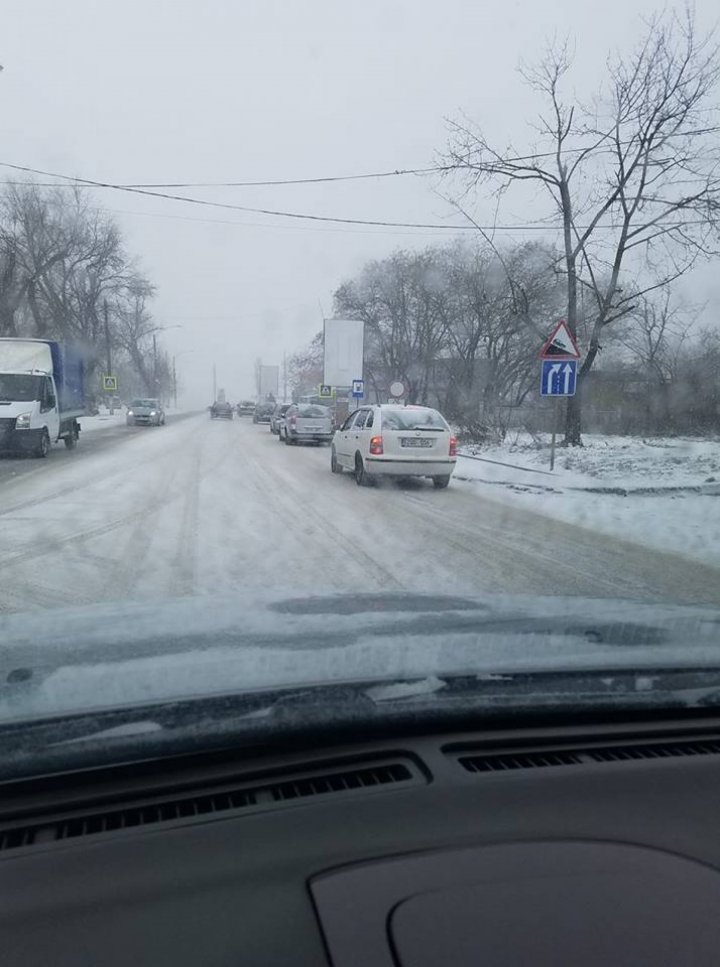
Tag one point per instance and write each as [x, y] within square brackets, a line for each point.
[555, 421]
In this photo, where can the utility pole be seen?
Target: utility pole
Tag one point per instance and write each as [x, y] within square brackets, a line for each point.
[108, 351]
[174, 384]
[214, 383]
[284, 377]
[155, 375]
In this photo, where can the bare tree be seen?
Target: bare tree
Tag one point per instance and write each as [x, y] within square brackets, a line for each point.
[33, 239]
[400, 301]
[135, 329]
[656, 336]
[305, 368]
[634, 176]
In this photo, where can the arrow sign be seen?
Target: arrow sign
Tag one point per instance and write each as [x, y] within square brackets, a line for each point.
[558, 378]
[561, 344]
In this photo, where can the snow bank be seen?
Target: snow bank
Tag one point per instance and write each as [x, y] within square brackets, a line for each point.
[655, 491]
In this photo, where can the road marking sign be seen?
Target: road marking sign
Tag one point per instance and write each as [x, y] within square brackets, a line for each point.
[358, 388]
[558, 377]
[110, 384]
[561, 344]
[326, 391]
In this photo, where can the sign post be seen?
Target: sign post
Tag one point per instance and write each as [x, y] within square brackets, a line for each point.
[558, 373]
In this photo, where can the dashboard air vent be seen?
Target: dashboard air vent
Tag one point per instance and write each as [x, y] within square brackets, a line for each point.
[541, 758]
[350, 781]
[521, 760]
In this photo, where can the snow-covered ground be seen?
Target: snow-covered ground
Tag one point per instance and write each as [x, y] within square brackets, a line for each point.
[92, 424]
[661, 492]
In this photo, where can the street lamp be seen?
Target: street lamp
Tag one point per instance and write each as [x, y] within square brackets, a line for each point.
[155, 330]
[185, 352]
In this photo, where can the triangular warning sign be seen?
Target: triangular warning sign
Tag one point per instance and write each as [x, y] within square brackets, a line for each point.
[561, 344]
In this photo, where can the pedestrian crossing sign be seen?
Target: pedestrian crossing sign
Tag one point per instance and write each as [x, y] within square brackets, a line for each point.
[110, 384]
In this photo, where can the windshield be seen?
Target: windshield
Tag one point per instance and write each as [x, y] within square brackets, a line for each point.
[23, 389]
[473, 248]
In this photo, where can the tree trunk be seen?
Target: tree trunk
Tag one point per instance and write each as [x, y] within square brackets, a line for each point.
[573, 418]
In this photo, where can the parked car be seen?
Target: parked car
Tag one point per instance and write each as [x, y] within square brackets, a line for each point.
[306, 423]
[392, 440]
[263, 412]
[221, 411]
[278, 415]
[145, 413]
[245, 408]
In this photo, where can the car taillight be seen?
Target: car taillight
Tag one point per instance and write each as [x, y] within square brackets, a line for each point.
[453, 446]
[376, 446]
[293, 420]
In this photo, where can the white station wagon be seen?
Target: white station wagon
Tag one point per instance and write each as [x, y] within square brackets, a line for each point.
[398, 441]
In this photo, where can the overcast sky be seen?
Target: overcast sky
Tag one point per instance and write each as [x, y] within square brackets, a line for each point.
[229, 90]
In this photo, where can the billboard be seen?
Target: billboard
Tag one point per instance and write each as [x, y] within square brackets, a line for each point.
[343, 351]
[268, 381]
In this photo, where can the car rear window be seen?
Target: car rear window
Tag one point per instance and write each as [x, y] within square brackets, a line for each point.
[408, 418]
[314, 411]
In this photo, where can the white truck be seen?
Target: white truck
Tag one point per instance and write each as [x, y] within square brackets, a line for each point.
[42, 394]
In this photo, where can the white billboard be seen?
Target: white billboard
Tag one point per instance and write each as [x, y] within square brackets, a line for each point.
[343, 351]
[269, 380]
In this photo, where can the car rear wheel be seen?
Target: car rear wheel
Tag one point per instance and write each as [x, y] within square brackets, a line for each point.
[440, 483]
[362, 477]
[334, 465]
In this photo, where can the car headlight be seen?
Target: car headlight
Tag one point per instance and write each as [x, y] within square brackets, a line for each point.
[23, 421]
[153, 413]
[130, 413]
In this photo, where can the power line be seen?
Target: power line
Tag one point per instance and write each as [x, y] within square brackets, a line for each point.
[538, 226]
[241, 208]
[326, 179]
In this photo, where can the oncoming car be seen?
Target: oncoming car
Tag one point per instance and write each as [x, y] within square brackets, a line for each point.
[145, 413]
[395, 441]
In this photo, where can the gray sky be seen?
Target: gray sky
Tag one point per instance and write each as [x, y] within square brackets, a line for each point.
[227, 90]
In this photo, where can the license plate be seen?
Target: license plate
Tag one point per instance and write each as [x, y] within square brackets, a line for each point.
[415, 442]
[311, 429]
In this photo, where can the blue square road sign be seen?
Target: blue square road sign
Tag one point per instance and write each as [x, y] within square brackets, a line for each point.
[558, 377]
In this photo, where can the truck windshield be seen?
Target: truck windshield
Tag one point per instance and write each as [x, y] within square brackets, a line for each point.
[20, 388]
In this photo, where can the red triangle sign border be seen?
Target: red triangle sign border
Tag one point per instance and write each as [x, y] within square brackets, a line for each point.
[551, 350]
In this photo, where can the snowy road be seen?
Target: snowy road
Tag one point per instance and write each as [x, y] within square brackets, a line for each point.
[204, 507]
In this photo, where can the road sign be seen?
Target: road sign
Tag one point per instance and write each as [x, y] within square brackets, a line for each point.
[110, 384]
[560, 345]
[558, 377]
[397, 389]
[326, 391]
[358, 388]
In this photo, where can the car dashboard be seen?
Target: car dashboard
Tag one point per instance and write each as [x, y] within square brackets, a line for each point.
[552, 844]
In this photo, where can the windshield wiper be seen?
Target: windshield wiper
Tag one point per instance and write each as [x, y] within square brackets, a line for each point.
[245, 719]
[434, 429]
